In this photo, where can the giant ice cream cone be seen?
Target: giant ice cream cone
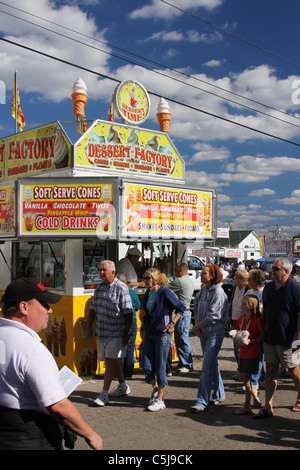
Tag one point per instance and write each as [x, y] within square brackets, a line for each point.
[163, 115]
[79, 97]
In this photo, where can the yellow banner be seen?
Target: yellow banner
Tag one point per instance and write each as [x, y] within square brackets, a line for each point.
[75, 209]
[133, 150]
[7, 210]
[35, 151]
[155, 212]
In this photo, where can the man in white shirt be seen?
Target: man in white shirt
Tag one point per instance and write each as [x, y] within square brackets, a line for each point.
[297, 275]
[126, 266]
[32, 399]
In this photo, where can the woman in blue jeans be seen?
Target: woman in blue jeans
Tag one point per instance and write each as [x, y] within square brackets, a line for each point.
[211, 310]
[159, 303]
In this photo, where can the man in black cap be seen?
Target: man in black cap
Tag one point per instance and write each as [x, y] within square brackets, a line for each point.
[32, 400]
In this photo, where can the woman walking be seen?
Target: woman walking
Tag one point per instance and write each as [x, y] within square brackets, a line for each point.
[159, 303]
[211, 310]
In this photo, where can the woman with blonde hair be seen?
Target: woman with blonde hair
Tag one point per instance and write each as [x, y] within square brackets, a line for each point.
[240, 282]
[159, 303]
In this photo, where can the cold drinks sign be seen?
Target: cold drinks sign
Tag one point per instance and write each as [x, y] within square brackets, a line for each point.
[62, 208]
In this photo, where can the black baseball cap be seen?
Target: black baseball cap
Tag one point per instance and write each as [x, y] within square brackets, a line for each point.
[26, 289]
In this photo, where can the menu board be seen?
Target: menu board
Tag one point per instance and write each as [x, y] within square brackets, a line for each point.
[71, 208]
[7, 210]
[166, 212]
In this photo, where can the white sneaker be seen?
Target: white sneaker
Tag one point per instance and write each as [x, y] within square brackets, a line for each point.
[153, 397]
[183, 370]
[157, 405]
[197, 408]
[102, 399]
[120, 390]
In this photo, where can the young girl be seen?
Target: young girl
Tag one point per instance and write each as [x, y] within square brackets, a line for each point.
[249, 354]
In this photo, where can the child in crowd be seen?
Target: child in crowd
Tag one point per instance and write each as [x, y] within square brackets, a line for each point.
[249, 354]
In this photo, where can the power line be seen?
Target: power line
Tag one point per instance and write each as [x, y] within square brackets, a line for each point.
[156, 71]
[231, 34]
[152, 93]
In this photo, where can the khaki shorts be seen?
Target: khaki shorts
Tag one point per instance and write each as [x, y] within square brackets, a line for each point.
[275, 354]
[111, 349]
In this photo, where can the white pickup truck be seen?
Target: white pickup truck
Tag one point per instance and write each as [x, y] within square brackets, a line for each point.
[195, 265]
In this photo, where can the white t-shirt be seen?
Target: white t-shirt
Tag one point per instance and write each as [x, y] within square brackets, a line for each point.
[126, 268]
[28, 372]
[259, 294]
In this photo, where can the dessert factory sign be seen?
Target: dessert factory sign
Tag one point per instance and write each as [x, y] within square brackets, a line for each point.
[130, 149]
[41, 149]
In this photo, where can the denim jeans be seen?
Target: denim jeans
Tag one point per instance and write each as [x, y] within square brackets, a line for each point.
[236, 348]
[255, 378]
[182, 341]
[210, 374]
[127, 362]
[155, 355]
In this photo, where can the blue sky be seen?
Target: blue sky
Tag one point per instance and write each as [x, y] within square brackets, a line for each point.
[234, 59]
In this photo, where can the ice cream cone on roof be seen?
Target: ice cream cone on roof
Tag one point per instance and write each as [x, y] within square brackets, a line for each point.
[163, 115]
[79, 97]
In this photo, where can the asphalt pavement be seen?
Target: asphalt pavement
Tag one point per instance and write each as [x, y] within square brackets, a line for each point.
[127, 427]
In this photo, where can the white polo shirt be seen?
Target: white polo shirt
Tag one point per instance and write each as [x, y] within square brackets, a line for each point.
[28, 372]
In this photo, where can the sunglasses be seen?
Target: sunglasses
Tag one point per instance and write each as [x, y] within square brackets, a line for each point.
[147, 278]
[44, 304]
[276, 268]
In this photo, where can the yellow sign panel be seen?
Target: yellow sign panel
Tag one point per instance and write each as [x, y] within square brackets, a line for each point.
[60, 209]
[156, 212]
[7, 210]
[130, 149]
[35, 151]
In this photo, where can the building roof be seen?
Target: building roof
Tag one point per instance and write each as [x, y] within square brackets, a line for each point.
[235, 237]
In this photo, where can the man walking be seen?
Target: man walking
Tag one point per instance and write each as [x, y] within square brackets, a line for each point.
[111, 306]
[183, 287]
[281, 316]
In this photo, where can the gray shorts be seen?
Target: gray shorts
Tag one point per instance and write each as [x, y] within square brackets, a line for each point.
[111, 349]
[275, 354]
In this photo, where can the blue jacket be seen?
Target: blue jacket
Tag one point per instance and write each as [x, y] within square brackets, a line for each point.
[165, 302]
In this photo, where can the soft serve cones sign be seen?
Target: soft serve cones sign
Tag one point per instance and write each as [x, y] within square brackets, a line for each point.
[166, 212]
[74, 208]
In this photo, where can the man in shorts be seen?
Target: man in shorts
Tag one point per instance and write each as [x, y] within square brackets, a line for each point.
[111, 306]
[281, 316]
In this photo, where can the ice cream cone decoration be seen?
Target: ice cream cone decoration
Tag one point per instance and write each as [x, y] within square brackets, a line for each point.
[79, 97]
[163, 115]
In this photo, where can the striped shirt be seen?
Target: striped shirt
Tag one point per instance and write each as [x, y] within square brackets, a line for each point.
[111, 303]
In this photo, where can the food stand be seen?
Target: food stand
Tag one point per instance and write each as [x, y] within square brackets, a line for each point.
[65, 207]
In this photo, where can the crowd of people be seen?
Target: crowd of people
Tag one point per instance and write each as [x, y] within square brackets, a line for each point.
[264, 319]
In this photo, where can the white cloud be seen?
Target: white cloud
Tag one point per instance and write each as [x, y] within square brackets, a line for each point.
[158, 9]
[262, 192]
[207, 152]
[293, 199]
[213, 63]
